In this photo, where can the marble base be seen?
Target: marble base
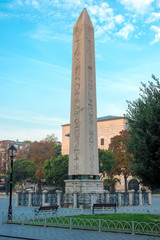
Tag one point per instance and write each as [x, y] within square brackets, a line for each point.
[84, 186]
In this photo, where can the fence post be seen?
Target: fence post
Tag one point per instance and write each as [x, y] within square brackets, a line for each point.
[59, 197]
[30, 198]
[17, 198]
[140, 197]
[99, 225]
[130, 192]
[22, 219]
[45, 221]
[44, 197]
[93, 200]
[132, 227]
[149, 197]
[75, 200]
[107, 196]
[70, 223]
[3, 218]
[119, 197]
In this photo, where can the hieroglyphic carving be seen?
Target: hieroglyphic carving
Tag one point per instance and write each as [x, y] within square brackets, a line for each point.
[90, 98]
[76, 76]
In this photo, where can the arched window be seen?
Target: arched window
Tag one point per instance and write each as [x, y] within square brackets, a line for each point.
[133, 184]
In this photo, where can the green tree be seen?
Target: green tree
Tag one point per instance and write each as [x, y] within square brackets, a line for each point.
[22, 170]
[107, 162]
[56, 170]
[57, 150]
[55, 145]
[123, 163]
[144, 127]
[6, 178]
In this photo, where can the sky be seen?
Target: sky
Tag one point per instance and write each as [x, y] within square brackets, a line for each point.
[36, 60]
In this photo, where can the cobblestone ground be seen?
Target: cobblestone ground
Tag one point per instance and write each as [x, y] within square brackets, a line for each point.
[32, 232]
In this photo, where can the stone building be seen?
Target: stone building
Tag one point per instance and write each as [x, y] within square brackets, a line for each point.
[107, 128]
[21, 147]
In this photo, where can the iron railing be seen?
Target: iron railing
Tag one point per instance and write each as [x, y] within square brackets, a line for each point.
[132, 227]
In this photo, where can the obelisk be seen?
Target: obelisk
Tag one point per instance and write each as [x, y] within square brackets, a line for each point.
[83, 156]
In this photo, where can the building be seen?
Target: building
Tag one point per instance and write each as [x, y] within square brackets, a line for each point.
[4, 146]
[107, 128]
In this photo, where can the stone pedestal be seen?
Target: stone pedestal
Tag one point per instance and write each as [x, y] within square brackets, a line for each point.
[82, 193]
[84, 186]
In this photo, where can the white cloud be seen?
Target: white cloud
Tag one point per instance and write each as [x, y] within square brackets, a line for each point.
[140, 6]
[2, 15]
[100, 57]
[45, 34]
[158, 3]
[138, 35]
[104, 30]
[119, 19]
[19, 2]
[126, 31]
[28, 117]
[102, 12]
[153, 17]
[157, 35]
[35, 4]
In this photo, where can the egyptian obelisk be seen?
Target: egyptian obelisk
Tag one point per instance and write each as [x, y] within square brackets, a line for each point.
[83, 156]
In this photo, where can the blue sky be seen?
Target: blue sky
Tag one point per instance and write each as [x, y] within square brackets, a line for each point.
[36, 60]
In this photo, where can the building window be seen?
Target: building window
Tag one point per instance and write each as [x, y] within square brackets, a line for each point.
[102, 129]
[112, 128]
[102, 141]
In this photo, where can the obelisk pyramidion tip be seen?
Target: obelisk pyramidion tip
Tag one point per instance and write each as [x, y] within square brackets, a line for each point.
[84, 18]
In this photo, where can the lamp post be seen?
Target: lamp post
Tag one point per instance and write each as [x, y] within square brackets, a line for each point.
[11, 151]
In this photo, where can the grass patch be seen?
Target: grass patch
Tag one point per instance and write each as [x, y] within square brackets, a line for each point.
[124, 217]
[143, 223]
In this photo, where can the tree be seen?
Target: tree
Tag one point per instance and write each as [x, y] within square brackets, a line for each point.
[50, 138]
[110, 182]
[144, 127]
[22, 170]
[57, 150]
[123, 163]
[56, 147]
[56, 170]
[39, 153]
[6, 179]
[107, 162]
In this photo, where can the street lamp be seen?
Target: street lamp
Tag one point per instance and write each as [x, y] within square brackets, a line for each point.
[11, 151]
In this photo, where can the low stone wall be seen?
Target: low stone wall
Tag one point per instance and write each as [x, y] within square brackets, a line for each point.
[77, 200]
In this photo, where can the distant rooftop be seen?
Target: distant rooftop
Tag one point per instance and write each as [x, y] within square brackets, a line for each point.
[108, 118]
[102, 118]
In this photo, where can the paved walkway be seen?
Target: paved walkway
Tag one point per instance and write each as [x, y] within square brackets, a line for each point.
[42, 233]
